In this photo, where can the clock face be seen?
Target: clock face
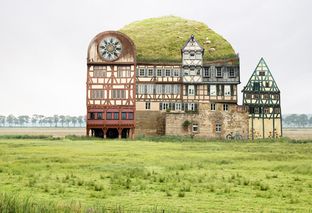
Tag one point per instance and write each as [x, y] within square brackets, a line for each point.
[110, 48]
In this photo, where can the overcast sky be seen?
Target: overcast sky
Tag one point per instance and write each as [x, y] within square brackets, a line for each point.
[43, 45]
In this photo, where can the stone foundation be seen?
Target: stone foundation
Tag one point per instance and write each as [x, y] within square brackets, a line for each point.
[234, 121]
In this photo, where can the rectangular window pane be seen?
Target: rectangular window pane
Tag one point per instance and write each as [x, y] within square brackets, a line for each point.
[158, 89]
[178, 106]
[225, 107]
[123, 116]
[213, 90]
[168, 72]
[116, 115]
[108, 115]
[147, 105]
[227, 90]
[159, 71]
[213, 107]
[191, 90]
[130, 115]
[150, 72]
[142, 72]
[218, 127]
[99, 116]
[218, 72]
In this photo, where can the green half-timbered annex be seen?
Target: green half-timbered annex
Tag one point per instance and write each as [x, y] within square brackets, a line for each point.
[262, 96]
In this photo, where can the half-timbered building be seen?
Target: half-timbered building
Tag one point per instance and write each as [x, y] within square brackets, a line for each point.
[156, 75]
[262, 96]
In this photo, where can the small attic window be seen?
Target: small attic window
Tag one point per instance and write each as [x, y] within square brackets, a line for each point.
[192, 54]
[261, 73]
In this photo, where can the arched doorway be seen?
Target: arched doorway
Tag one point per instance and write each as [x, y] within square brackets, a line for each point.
[112, 133]
[125, 133]
[98, 133]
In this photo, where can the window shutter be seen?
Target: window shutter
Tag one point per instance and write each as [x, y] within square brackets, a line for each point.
[196, 107]
[195, 89]
[186, 89]
[160, 106]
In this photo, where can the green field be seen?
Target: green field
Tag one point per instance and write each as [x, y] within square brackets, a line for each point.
[140, 176]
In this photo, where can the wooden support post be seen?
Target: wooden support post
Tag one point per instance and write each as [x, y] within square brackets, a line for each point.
[104, 133]
[88, 132]
[119, 133]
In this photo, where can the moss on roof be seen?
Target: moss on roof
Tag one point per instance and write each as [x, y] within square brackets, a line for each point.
[161, 39]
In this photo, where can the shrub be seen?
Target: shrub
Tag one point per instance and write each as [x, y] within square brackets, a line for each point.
[181, 194]
[168, 193]
[186, 124]
[98, 187]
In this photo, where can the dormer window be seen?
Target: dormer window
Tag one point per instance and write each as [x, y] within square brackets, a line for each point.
[231, 72]
[192, 55]
[219, 72]
[206, 72]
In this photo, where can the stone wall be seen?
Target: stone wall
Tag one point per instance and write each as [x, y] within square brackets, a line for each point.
[150, 123]
[234, 121]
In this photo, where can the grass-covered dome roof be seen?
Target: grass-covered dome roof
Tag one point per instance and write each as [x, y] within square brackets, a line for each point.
[161, 39]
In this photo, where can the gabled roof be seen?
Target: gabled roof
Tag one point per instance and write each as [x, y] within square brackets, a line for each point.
[256, 78]
[192, 39]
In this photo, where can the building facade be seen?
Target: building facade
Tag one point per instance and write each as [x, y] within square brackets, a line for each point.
[111, 83]
[146, 82]
[262, 96]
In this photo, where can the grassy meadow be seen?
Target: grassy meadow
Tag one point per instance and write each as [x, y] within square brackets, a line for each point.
[42, 175]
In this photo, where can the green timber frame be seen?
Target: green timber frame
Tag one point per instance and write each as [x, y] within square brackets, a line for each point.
[262, 96]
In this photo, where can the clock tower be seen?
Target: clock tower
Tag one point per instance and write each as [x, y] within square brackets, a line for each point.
[110, 100]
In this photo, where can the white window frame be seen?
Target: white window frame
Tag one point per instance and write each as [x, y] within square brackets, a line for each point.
[176, 72]
[191, 90]
[149, 89]
[213, 90]
[227, 90]
[165, 106]
[150, 71]
[194, 127]
[213, 107]
[167, 71]
[231, 71]
[147, 105]
[159, 89]
[176, 89]
[159, 72]
[219, 72]
[218, 128]
[225, 107]
[167, 89]
[141, 72]
[178, 106]
[191, 106]
[141, 88]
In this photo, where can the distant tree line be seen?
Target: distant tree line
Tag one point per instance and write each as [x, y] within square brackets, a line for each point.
[297, 120]
[42, 121]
